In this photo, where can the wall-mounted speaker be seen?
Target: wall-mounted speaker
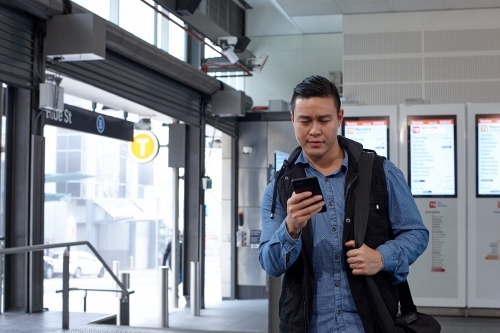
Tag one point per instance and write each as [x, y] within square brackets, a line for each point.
[186, 7]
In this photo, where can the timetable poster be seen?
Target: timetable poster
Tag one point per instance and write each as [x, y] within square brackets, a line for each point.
[432, 155]
[488, 155]
[371, 132]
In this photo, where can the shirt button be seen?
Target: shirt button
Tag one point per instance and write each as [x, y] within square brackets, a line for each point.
[334, 229]
[336, 256]
[326, 179]
[330, 203]
[337, 284]
[348, 220]
[338, 312]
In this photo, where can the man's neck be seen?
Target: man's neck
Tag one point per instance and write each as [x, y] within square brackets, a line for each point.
[330, 162]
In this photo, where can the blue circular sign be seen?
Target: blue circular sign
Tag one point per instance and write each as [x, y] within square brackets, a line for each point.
[100, 124]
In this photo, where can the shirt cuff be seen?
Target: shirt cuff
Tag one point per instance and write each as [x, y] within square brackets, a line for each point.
[288, 243]
[389, 263]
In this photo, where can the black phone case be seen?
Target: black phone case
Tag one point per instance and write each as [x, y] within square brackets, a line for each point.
[308, 184]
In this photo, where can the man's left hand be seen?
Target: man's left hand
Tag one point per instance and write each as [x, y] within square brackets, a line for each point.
[364, 261]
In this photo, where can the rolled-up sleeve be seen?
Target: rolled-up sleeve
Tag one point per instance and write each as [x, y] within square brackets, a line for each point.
[275, 241]
[410, 234]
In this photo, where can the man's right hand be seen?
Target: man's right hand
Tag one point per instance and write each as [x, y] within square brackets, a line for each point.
[300, 208]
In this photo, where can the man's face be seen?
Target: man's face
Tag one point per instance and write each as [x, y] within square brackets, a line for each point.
[316, 122]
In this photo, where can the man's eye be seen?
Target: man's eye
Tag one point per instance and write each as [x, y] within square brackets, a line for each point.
[305, 121]
[324, 121]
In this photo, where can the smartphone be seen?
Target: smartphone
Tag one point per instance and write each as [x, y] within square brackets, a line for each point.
[310, 184]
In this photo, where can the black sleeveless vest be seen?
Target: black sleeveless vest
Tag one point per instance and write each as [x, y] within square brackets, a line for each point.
[296, 295]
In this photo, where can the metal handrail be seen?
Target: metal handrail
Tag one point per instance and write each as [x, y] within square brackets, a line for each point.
[89, 289]
[124, 304]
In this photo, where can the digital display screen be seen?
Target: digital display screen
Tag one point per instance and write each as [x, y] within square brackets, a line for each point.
[488, 155]
[279, 157]
[432, 156]
[371, 132]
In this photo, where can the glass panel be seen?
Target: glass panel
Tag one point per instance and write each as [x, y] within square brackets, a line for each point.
[61, 164]
[74, 162]
[137, 18]
[74, 142]
[176, 39]
[106, 205]
[100, 7]
[213, 217]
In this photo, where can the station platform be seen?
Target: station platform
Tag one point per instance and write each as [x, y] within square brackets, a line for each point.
[238, 316]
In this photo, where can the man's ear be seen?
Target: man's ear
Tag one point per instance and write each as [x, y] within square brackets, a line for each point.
[291, 116]
[340, 116]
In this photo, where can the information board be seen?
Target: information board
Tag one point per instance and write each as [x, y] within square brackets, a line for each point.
[432, 155]
[488, 155]
[483, 206]
[432, 149]
[371, 132]
[279, 157]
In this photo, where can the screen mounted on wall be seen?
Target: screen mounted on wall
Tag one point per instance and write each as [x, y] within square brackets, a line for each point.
[279, 157]
[488, 155]
[432, 155]
[371, 132]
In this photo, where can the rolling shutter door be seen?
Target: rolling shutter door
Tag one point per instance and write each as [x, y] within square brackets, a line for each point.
[16, 47]
[130, 80]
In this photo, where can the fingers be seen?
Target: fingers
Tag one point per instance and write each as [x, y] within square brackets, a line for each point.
[350, 243]
[364, 261]
[300, 208]
[302, 200]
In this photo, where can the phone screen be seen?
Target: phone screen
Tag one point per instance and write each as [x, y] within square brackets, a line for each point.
[310, 184]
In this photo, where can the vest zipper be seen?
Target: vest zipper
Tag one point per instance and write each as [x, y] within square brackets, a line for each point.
[349, 186]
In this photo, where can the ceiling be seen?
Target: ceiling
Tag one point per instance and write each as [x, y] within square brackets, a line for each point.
[325, 16]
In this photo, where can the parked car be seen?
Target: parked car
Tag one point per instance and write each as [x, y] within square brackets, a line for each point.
[80, 263]
[48, 267]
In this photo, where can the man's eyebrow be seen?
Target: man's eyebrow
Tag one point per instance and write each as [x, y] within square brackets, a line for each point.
[304, 117]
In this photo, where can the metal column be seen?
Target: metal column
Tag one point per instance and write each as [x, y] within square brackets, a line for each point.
[163, 296]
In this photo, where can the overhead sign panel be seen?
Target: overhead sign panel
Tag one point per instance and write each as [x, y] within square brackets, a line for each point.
[488, 155]
[82, 120]
[432, 155]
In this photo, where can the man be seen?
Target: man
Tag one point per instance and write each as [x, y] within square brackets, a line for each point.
[323, 288]
[167, 258]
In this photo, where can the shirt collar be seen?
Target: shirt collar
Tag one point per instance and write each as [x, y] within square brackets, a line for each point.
[303, 160]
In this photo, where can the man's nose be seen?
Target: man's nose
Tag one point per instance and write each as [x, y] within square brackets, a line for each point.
[315, 129]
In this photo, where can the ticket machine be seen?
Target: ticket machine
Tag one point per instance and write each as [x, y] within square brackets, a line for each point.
[375, 127]
[432, 158]
[483, 147]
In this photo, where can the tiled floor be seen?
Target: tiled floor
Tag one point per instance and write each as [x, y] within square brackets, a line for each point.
[239, 316]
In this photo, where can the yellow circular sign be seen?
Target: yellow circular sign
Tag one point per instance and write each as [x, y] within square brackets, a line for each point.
[145, 146]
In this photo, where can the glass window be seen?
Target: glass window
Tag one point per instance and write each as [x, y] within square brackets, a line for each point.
[232, 79]
[137, 18]
[101, 7]
[74, 161]
[75, 142]
[145, 173]
[176, 39]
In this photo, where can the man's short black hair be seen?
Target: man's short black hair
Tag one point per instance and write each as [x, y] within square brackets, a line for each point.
[316, 86]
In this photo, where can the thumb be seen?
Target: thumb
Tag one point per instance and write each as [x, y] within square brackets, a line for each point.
[350, 244]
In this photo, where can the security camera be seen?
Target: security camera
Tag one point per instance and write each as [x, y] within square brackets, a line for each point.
[256, 64]
[231, 56]
[227, 42]
[247, 150]
[143, 124]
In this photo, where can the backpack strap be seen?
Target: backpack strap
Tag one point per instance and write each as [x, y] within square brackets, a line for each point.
[360, 222]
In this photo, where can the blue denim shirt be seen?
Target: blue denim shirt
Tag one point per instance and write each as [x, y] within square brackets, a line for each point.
[333, 308]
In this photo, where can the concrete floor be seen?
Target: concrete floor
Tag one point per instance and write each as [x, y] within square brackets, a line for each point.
[239, 316]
